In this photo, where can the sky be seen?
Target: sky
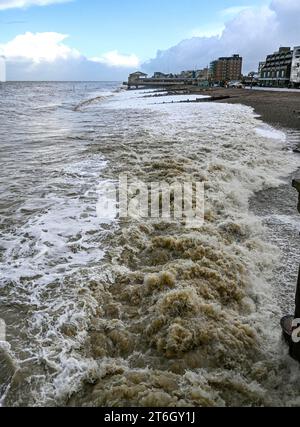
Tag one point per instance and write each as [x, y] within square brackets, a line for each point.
[105, 40]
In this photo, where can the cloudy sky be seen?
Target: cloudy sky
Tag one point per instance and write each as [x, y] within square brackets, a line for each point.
[105, 40]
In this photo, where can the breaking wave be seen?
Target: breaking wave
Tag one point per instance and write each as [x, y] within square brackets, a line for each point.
[154, 313]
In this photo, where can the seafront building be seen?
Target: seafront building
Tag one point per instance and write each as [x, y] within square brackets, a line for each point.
[185, 78]
[159, 75]
[282, 68]
[226, 69]
[277, 68]
[261, 66]
[135, 79]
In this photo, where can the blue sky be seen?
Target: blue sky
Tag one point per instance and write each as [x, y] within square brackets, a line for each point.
[129, 26]
[110, 38]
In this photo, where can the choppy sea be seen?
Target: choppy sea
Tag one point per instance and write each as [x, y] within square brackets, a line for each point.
[143, 313]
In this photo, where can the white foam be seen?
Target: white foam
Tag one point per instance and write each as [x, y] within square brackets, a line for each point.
[142, 99]
[61, 247]
[293, 222]
[57, 241]
[269, 132]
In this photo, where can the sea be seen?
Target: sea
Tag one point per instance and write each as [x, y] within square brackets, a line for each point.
[127, 312]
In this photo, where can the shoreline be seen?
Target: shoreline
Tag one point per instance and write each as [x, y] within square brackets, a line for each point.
[205, 271]
[278, 109]
[281, 111]
[169, 315]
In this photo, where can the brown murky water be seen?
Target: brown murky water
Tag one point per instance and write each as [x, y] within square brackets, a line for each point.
[133, 312]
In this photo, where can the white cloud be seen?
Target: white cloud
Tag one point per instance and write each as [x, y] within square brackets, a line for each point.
[207, 31]
[71, 69]
[216, 29]
[229, 12]
[14, 4]
[46, 56]
[38, 47]
[286, 4]
[116, 59]
[253, 32]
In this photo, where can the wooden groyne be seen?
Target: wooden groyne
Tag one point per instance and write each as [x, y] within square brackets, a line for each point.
[208, 99]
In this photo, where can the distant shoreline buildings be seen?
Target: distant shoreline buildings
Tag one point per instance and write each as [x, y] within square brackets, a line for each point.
[280, 69]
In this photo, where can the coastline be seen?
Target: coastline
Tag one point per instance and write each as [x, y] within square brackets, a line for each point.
[276, 108]
[178, 305]
[172, 316]
[279, 109]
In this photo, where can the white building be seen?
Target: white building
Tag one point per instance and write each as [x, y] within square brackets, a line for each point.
[2, 69]
[295, 71]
